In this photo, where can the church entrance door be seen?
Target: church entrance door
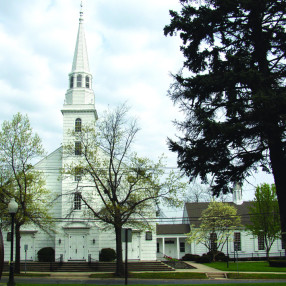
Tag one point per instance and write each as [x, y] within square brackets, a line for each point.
[134, 252]
[77, 247]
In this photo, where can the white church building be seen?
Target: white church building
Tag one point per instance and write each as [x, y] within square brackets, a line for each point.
[78, 237]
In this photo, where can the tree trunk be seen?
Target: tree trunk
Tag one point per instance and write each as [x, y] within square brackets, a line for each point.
[1, 254]
[119, 263]
[18, 249]
[278, 164]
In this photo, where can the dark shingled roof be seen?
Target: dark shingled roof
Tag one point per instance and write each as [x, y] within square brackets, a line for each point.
[194, 211]
[172, 228]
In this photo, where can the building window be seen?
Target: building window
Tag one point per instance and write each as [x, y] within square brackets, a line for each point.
[77, 148]
[213, 241]
[71, 81]
[261, 244]
[77, 201]
[182, 247]
[77, 174]
[169, 242]
[158, 247]
[282, 243]
[237, 241]
[79, 80]
[77, 127]
[148, 235]
[87, 83]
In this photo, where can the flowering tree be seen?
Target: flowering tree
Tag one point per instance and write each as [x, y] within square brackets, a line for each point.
[218, 222]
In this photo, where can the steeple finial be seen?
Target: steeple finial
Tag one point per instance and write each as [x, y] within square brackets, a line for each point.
[81, 12]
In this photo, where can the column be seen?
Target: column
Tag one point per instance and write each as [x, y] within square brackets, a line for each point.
[178, 248]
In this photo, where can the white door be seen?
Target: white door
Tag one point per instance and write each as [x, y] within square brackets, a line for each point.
[134, 251]
[77, 246]
[27, 247]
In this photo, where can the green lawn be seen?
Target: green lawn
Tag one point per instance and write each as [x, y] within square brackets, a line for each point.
[227, 284]
[243, 275]
[257, 266]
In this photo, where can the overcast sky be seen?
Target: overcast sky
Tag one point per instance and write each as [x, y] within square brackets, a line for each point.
[129, 57]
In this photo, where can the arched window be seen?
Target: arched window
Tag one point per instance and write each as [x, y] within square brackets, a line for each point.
[79, 80]
[77, 127]
[77, 201]
[77, 148]
[71, 81]
[87, 83]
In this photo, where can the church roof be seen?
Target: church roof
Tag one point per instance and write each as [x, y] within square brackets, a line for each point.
[194, 211]
[80, 60]
[172, 228]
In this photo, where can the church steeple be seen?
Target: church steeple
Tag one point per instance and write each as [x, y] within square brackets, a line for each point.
[80, 94]
[79, 98]
[80, 60]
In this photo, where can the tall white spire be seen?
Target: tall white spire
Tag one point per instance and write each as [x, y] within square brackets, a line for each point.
[80, 60]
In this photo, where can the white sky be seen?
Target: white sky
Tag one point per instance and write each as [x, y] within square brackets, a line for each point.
[129, 57]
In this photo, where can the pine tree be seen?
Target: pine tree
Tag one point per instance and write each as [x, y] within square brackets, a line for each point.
[232, 91]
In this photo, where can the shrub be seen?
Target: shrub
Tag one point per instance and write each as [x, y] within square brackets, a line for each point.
[46, 254]
[190, 257]
[277, 263]
[217, 256]
[107, 254]
[205, 258]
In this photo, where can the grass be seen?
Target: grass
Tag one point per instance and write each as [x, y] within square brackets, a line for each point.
[28, 274]
[257, 266]
[227, 284]
[255, 276]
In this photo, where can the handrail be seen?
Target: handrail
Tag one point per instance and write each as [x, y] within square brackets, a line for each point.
[90, 259]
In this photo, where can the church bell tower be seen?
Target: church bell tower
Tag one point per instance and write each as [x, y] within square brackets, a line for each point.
[79, 108]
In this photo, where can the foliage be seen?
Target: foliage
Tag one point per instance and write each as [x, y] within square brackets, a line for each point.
[118, 187]
[205, 258]
[107, 254]
[169, 258]
[277, 263]
[219, 255]
[46, 254]
[232, 91]
[190, 257]
[264, 215]
[219, 220]
[19, 147]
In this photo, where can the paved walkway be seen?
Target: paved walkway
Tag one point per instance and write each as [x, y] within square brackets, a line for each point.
[200, 268]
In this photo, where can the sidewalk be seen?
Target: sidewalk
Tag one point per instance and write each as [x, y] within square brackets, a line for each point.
[201, 268]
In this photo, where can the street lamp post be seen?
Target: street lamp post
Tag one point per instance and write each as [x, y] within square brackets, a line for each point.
[12, 208]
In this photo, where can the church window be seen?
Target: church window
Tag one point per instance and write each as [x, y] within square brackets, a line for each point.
[182, 247]
[213, 241]
[71, 81]
[237, 241]
[78, 125]
[87, 83]
[261, 243]
[79, 80]
[77, 201]
[77, 174]
[77, 148]
[148, 235]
